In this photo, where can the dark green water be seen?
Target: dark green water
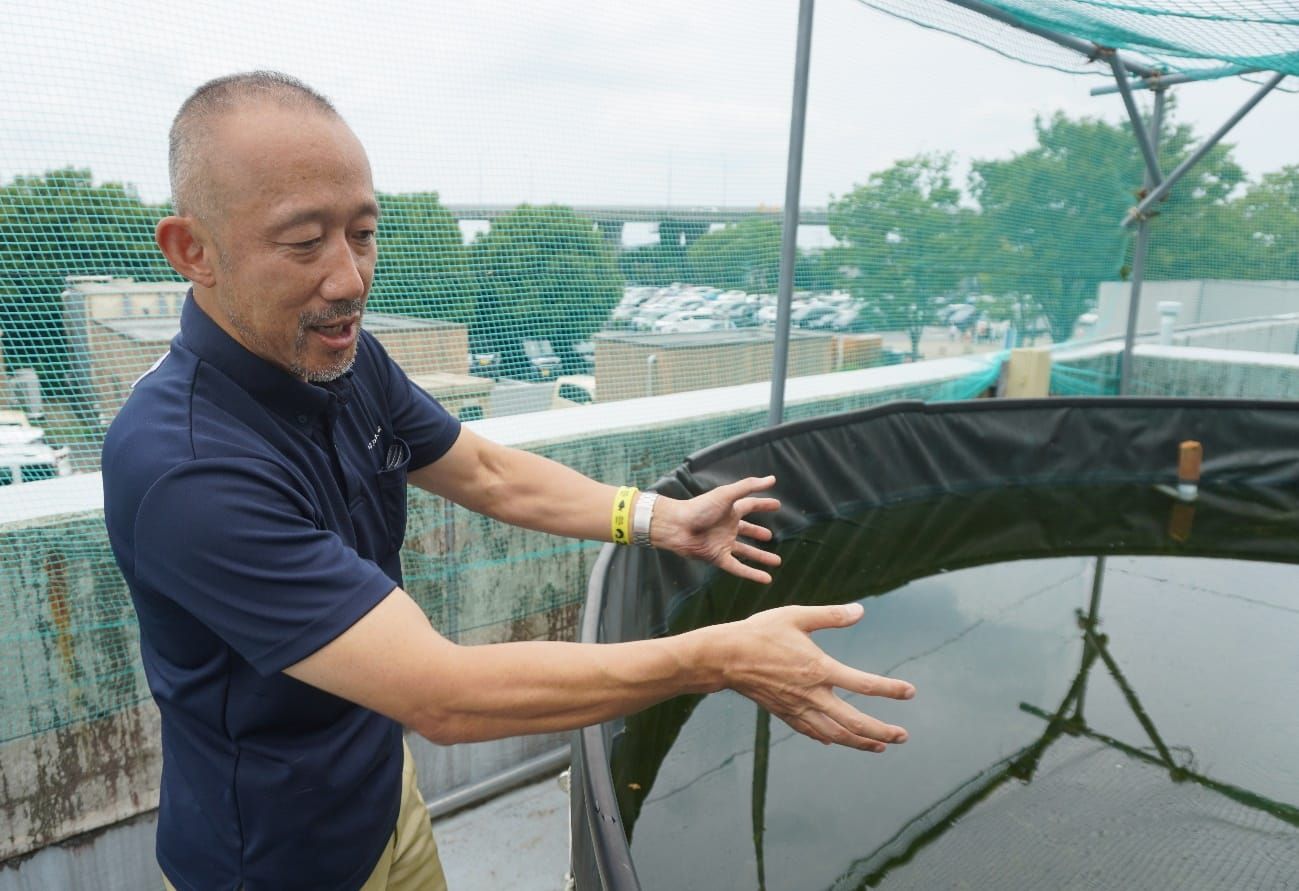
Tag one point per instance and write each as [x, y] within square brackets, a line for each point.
[1140, 730]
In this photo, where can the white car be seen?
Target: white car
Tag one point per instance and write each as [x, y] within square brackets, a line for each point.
[688, 320]
[24, 455]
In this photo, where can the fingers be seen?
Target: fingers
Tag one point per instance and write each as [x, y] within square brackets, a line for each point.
[742, 570]
[757, 555]
[754, 531]
[824, 729]
[743, 488]
[847, 678]
[814, 618]
[746, 506]
[860, 724]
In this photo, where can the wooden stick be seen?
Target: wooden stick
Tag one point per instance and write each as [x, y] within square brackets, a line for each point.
[1189, 456]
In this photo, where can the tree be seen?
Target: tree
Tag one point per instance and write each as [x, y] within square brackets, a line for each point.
[423, 266]
[542, 272]
[1049, 230]
[60, 224]
[903, 237]
[653, 264]
[743, 255]
[1267, 217]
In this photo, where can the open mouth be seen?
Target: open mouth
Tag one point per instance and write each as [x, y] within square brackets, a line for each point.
[338, 335]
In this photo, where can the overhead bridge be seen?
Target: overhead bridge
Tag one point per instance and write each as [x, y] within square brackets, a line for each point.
[683, 224]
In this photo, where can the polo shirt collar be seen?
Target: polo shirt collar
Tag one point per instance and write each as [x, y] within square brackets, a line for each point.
[297, 401]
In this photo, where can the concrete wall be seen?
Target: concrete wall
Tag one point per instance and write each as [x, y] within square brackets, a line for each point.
[1192, 371]
[1279, 334]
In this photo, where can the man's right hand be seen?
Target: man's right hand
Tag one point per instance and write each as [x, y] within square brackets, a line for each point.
[771, 659]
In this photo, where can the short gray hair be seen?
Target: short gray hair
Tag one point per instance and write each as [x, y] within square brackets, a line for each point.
[212, 100]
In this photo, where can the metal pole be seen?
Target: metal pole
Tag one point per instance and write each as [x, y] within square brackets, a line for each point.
[1139, 253]
[1169, 80]
[1153, 175]
[547, 764]
[1086, 47]
[1140, 211]
[789, 237]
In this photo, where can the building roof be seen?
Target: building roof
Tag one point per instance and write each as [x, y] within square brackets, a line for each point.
[105, 284]
[703, 338]
[161, 329]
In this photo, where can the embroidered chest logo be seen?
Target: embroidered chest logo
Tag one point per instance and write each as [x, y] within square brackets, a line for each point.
[374, 440]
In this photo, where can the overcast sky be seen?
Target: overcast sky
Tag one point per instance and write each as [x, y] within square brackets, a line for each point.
[674, 101]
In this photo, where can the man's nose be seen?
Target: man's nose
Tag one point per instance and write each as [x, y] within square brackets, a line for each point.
[344, 274]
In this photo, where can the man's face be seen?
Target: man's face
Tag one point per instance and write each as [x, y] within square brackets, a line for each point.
[293, 219]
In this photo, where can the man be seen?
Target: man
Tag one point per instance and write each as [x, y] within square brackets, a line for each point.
[255, 501]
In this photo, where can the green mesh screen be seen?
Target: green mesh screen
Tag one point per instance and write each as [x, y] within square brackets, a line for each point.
[1175, 36]
[581, 210]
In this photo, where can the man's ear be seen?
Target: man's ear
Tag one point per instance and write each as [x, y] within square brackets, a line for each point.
[188, 248]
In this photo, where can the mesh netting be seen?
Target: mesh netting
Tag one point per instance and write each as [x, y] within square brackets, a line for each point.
[581, 211]
[1197, 38]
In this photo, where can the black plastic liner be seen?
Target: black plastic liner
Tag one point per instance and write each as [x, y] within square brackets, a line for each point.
[900, 457]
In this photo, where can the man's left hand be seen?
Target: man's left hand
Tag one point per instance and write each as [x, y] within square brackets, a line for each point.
[710, 527]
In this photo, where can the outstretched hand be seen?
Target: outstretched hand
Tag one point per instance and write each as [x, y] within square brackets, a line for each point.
[773, 661]
[710, 527]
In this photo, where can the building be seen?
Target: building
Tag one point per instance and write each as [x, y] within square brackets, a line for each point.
[1202, 301]
[117, 328]
[629, 365]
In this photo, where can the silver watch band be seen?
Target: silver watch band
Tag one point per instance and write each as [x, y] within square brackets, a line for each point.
[641, 519]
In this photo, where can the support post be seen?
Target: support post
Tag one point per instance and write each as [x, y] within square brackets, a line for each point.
[789, 235]
[1153, 175]
[1139, 251]
[1169, 80]
[1143, 209]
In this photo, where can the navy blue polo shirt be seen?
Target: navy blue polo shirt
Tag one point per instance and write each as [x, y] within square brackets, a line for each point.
[257, 517]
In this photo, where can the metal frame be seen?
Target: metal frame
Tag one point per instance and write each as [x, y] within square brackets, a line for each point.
[1160, 81]
[1156, 189]
[1153, 178]
[789, 233]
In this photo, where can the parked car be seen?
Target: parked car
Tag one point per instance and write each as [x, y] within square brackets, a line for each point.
[815, 316]
[689, 320]
[25, 457]
[525, 359]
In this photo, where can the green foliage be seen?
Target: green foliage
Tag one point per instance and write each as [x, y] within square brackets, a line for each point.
[743, 255]
[423, 264]
[542, 272]
[904, 237]
[60, 224]
[1049, 227]
[1266, 219]
[654, 264]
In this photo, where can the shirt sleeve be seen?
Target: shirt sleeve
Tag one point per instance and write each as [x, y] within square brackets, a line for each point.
[234, 544]
[428, 428]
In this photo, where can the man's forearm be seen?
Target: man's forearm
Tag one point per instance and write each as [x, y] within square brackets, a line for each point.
[394, 662]
[520, 488]
[528, 687]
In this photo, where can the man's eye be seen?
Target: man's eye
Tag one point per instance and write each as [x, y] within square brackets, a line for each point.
[365, 236]
[305, 245]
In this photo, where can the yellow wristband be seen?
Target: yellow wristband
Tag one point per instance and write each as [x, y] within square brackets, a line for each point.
[621, 523]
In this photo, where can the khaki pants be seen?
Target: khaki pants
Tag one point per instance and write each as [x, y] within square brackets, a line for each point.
[410, 860]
